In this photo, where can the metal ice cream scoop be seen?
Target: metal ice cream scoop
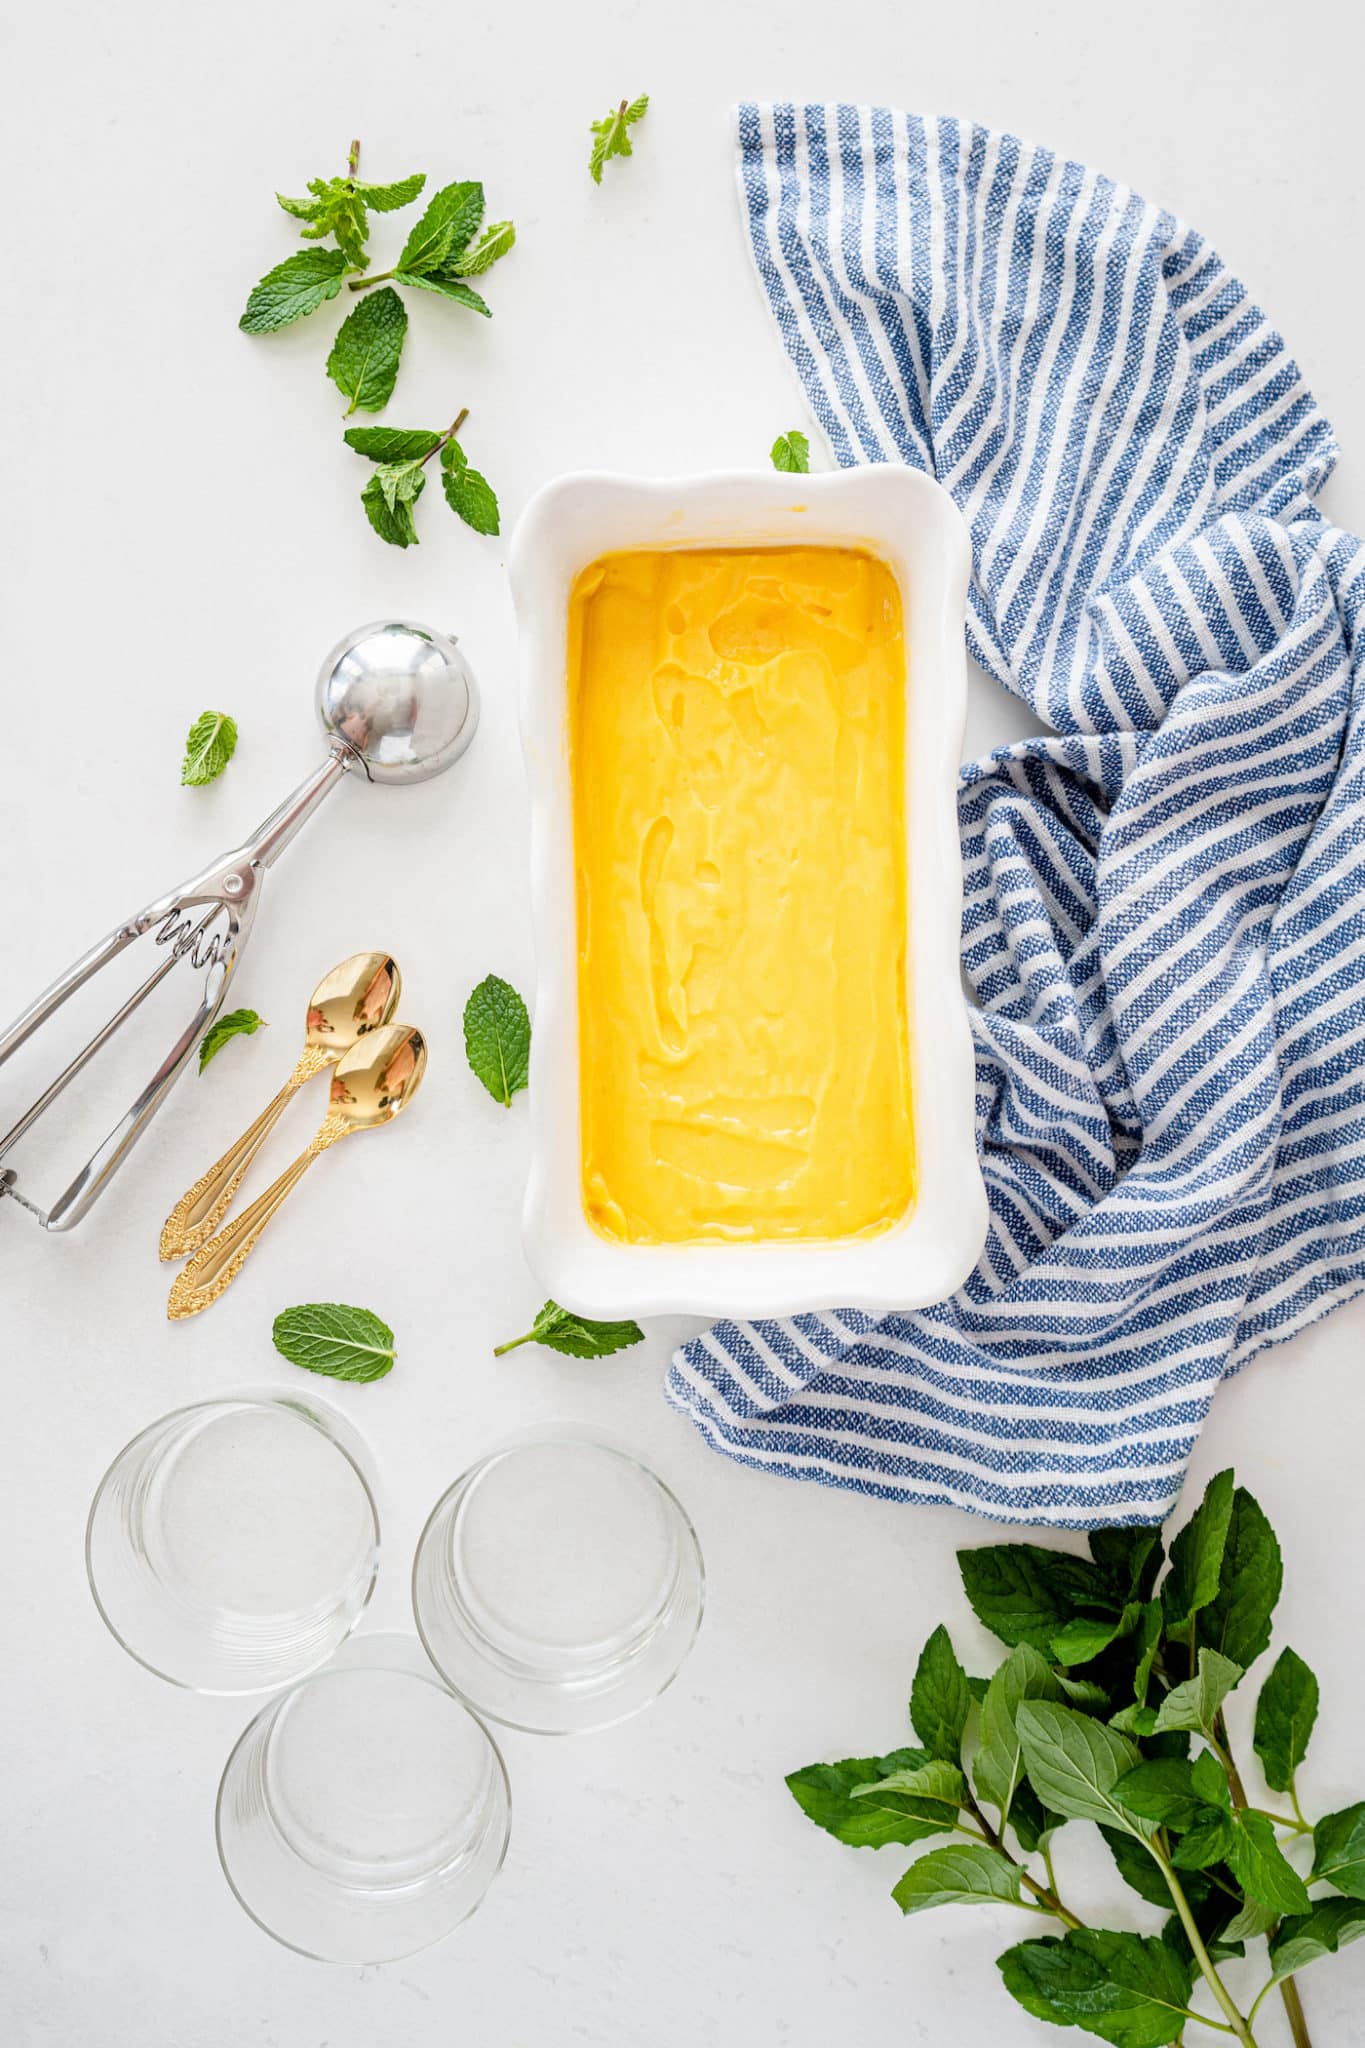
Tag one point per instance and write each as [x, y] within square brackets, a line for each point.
[398, 703]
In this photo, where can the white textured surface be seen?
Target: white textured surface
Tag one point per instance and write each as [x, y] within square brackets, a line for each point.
[180, 529]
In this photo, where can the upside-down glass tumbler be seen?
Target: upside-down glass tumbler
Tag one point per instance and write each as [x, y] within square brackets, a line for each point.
[233, 1545]
[365, 1812]
[558, 1584]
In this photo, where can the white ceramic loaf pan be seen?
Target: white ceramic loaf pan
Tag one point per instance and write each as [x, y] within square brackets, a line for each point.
[913, 525]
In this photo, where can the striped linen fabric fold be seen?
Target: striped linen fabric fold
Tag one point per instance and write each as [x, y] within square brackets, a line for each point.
[1164, 926]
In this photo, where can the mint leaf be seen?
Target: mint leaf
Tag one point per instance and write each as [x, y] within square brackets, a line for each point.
[951, 1876]
[236, 1024]
[1326, 1928]
[1139, 1869]
[791, 453]
[1237, 1621]
[391, 518]
[611, 135]
[1197, 1555]
[558, 1329]
[445, 288]
[468, 494]
[293, 288]
[1194, 1703]
[938, 1781]
[1285, 1713]
[400, 483]
[1132, 1558]
[999, 1762]
[1087, 1636]
[210, 745]
[940, 1698]
[1026, 1594]
[1030, 1819]
[497, 1038]
[1213, 1916]
[1250, 1922]
[451, 218]
[391, 444]
[1209, 1841]
[387, 198]
[1130, 1990]
[495, 241]
[1074, 1762]
[363, 363]
[1339, 1850]
[1210, 1780]
[1149, 1628]
[825, 1794]
[328, 1337]
[1084, 1693]
[1182, 1797]
[1162, 1791]
[1261, 1867]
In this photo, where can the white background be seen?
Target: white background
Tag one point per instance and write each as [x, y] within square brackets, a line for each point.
[181, 529]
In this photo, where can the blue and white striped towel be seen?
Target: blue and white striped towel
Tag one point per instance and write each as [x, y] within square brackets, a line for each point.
[1165, 904]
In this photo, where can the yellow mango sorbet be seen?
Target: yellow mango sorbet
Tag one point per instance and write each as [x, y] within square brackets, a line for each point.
[737, 722]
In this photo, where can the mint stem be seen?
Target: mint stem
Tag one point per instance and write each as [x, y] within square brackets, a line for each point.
[449, 435]
[513, 1342]
[1049, 1899]
[417, 461]
[1201, 1955]
[1220, 1743]
[353, 160]
[1293, 2006]
[1289, 1990]
[1282, 1820]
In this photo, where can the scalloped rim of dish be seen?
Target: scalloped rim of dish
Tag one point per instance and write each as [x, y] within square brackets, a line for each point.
[911, 523]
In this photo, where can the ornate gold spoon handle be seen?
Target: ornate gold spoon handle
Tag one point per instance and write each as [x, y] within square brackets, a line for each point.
[202, 1208]
[216, 1265]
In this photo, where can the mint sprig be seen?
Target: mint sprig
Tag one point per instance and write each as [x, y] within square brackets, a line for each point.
[340, 207]
[449, 244]
[611, 135]
[559, 1329]
[440, 253]
[1110, 1709]
[236, 1024]
[400, 455]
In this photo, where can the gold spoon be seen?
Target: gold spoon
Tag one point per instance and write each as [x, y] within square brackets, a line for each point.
[354, 998]
[375, 1080]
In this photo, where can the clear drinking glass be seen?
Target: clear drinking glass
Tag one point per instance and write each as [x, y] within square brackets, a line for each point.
[234, 1544]
[365, 1812]
[558, 1584]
